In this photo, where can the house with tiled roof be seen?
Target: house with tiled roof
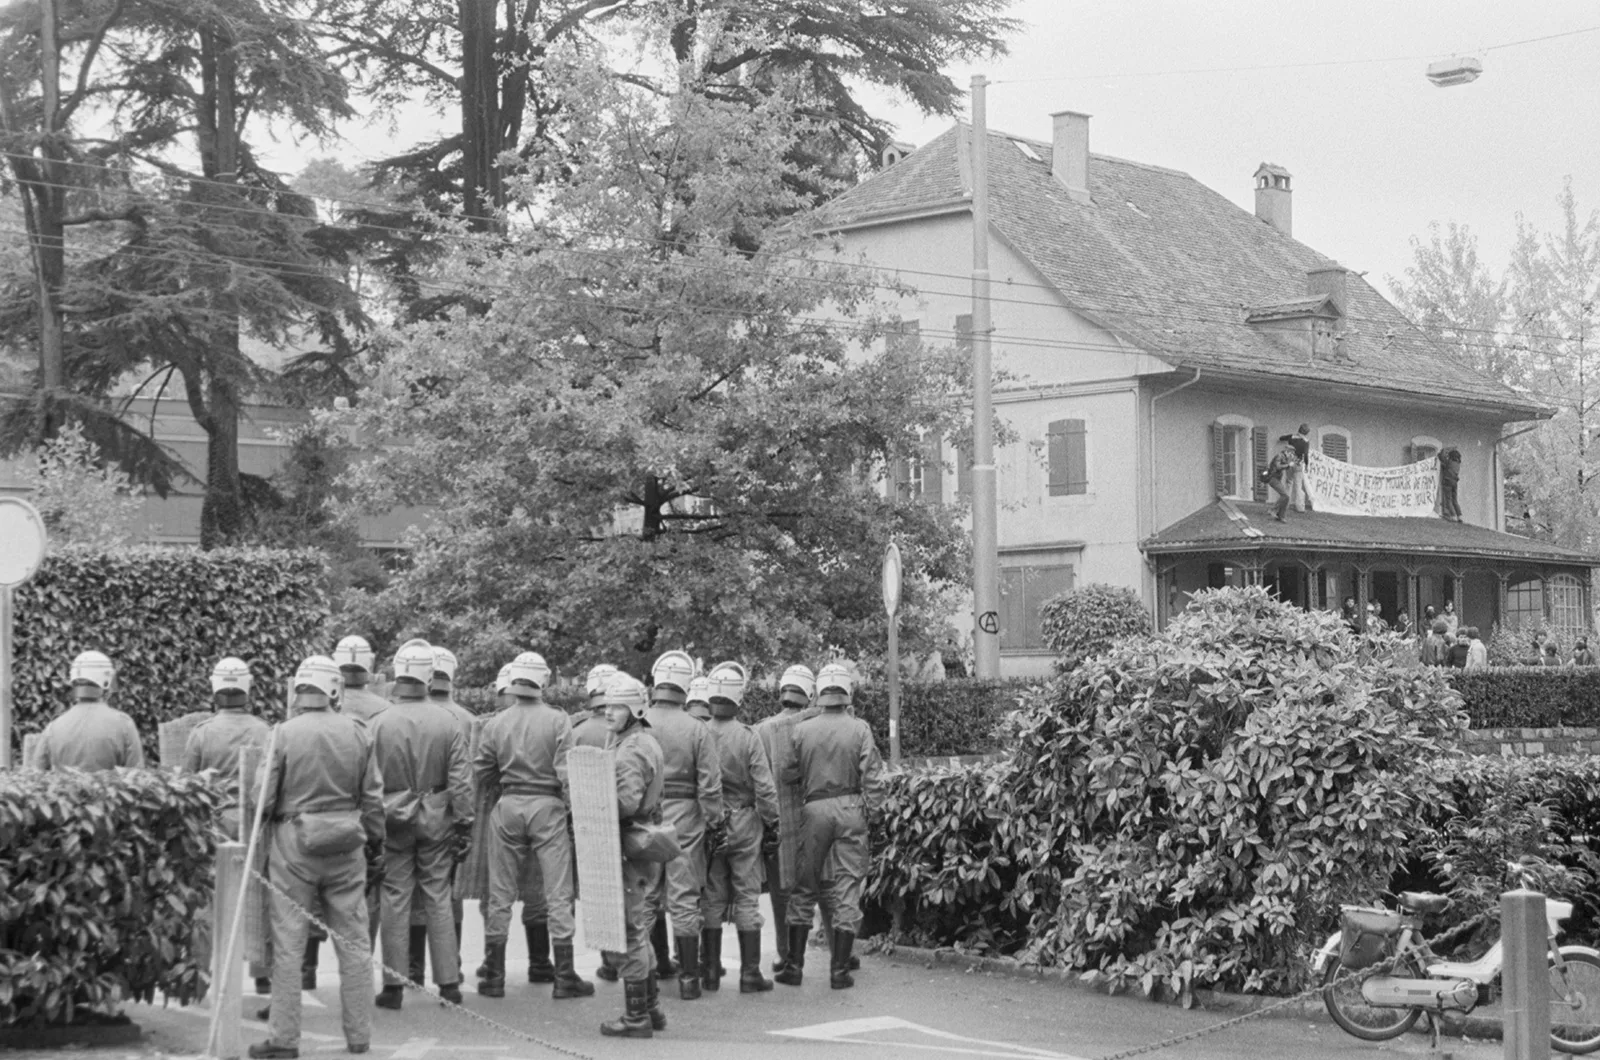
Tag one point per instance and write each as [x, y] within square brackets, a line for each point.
[1153, 342]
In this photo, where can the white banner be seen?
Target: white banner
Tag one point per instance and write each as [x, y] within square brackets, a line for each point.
[1410, 490]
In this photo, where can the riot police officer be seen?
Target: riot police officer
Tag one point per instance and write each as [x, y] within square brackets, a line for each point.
[355, 658]
[91, 734]
[797, 690]
[733, 885]
[836, 764]
[691, 803]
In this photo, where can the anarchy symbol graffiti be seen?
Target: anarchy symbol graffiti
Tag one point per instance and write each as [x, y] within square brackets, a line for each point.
[989, 622]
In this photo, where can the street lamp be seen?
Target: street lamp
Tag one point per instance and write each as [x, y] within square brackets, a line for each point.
[1462, 70]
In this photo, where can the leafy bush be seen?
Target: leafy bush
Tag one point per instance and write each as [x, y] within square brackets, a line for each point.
[939, 868]
[165, 616]
[103, 880]
[937, 718]
[1191, 807]
[1530, 696]
[82, 500]
[1089, 620]
[1513, 645]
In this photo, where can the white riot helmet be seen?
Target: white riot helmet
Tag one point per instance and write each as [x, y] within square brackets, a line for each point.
[94, 668]
[835, 685]
[801, 679]
[728, 681]
[699, 690]
[354, 651]
[321, 673]
[230, 674]
[444, 662]
[595, 684]
[625, 691]
[672, 673]
[502, 680]
[530, 667]
[414, 660]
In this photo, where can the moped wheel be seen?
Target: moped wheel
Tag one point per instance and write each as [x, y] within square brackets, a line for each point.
[1352, 1012]
[1575, 1004]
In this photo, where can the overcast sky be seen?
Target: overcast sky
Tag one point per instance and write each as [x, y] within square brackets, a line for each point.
[1377, 152]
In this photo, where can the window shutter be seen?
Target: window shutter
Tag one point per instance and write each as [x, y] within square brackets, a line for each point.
[933, 470]
[1336, 447]
[964, 332]
[1077, 455]
[1258, 441]
[963, 472]
[1410, 454]
[1057, 437]
[1219, 475]
[902, 480]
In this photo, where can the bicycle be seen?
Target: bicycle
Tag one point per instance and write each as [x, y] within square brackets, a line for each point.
[1377, 984]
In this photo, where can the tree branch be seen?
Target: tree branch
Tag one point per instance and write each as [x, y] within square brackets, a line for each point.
[71, 103]
[126, 213]
[387, 51]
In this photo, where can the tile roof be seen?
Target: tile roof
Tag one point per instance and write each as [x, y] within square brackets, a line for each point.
[1248, 526]
[1172, 267]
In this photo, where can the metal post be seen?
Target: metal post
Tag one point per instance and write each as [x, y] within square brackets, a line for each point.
[226, 1041]
[985, 535]
[1525, 975]
[894, 690]
[5, 677]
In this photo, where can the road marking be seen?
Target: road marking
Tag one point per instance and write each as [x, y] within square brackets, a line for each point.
[843, 1032]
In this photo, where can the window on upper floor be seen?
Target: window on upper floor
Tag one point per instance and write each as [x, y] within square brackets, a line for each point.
[1334, 443]
[1238, 448]
[1422, 447]
[920, 476]
[1068, 458]
[903, 336]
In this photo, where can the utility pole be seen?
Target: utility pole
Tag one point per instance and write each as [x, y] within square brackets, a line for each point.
[985, 537]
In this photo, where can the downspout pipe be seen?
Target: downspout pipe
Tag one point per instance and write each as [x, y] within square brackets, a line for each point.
[1155, 467]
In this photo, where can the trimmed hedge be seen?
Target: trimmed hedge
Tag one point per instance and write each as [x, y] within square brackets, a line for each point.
[1516, 697]
[164, 616]
[937, 718]
[104, 879]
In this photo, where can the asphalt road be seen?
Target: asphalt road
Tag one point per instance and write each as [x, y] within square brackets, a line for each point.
[898, 1010]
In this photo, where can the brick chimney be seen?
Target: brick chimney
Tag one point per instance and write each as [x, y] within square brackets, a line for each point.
[1273, 202]
[1069, 153]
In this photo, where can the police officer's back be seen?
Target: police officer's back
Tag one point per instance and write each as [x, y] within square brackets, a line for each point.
[91, 734]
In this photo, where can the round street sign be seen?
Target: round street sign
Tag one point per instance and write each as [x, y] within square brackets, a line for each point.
[891, 579]
[21, 541]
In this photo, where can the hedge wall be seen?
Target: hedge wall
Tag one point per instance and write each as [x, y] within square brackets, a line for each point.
[103, 880]
[937, 718]
[1515, 697]
[164, 616]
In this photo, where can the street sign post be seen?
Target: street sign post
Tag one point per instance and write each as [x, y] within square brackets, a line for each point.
[891, 605]
[22, 543]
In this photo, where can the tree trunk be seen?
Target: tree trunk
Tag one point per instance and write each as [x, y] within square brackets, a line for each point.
[480, 119]
[222, 514]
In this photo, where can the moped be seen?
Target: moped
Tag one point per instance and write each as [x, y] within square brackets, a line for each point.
[1379, 975]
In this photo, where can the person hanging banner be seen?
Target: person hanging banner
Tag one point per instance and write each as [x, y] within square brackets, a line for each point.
[1410, 490]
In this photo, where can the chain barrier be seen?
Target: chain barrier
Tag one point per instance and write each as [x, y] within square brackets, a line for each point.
[493, 1025]
[1205, 1032]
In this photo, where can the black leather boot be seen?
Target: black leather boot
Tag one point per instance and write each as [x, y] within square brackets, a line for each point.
[635, 1021]
[793, 971]
[711, 959]
[607, 970]
[540, 970]
[494, 983]
[665, 969]
[658, 1018]
[751, 981]
[688, 967]
[308, 964]
[451, 992]
[839, 971]
[565, 976]
[391, 997]
[417, 959]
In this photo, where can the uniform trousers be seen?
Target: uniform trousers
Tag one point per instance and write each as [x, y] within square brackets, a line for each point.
[833, 828]
[733, 879]
[411, 866]
[678, 893]
[524, 829]
[641, 880]
[340, 882]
